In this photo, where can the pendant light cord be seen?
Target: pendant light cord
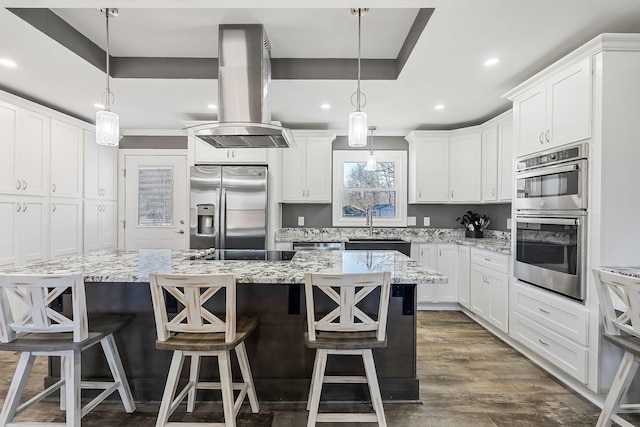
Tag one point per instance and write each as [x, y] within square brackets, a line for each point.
[359, 32]
[108, 95]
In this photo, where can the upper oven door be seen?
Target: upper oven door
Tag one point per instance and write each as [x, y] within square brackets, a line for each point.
[557, 187]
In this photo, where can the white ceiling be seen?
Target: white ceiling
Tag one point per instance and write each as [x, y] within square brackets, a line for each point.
[445, 67]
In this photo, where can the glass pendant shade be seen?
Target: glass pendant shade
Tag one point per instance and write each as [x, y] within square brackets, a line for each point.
[371, 162]
[107, 128]
[358, 129]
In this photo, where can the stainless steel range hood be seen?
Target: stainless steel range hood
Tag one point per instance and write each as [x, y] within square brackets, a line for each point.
[244, 74]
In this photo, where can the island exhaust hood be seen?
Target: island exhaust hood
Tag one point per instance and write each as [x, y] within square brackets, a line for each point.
[244, 74]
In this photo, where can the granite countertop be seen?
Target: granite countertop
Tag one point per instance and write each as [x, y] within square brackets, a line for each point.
[625, 271]
[495, 241]
[135, 266]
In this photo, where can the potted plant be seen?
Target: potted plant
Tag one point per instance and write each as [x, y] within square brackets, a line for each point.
[474, 224]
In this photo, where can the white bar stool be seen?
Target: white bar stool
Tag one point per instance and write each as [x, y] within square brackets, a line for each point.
[346, 330]
[196, 332]
[41, 331]
[622, 329]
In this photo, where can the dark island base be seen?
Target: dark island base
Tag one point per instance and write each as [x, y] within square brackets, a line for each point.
[280, 362]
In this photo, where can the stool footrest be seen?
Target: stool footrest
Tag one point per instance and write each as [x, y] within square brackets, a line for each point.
[352, 379]
[337, 417]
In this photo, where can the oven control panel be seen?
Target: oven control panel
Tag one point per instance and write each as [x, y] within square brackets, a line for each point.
[548, 158]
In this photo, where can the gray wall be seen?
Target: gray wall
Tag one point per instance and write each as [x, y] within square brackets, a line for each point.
[155, 142]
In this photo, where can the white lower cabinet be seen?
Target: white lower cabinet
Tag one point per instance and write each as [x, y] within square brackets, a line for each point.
[554, 327]
[490, 287]
[442, 257]
[23, 230]
[100, 221]
[464, 276]
[65, 227]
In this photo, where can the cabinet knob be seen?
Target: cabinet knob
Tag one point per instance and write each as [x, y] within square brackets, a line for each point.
[53, 187]
[180, 232]
[420, 194]
[493, 191]
[544, 311]
[540, 138]
[24, 207]
[452, 194]
[19, 208]
[18, 184]
[54, 207]
[24, 184]
[546, 135]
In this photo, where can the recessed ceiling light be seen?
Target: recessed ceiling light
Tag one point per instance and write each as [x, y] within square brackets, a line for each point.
[439, 107]
[325, 106]
[212, 106]
[101, 106]
[491, 61]
[7, 62]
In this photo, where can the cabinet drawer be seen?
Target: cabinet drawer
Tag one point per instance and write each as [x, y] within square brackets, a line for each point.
[566, 318]
[488, 259]
[562, 352]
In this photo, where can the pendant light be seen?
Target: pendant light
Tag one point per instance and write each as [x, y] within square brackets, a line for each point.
[358, 119]
[108, 122]
[371, 165]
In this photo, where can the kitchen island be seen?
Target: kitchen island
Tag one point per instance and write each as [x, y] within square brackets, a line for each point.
[117, 282]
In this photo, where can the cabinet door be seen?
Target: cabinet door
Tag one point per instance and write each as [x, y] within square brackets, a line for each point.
[464, 276]
[429, 258]
[34, 153]
[569, 105]
[498, 290]
[505, 161]
[429, 170]
[448, 265]
[529, 120]
[293, 171]
[10, 209]
[108, 226]
[67, 145]
[65, 228]
[479, 294]
[91, 166]
[205, 153]
[91, 225]
[9, 137]
[108, 172]
[249, 155]
[33, 230]
[490, 164]
[318, 170]
[465, 168]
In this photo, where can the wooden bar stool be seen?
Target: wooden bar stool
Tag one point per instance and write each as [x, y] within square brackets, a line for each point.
[41, 331]
[346, 330]
[196, 332]
[622, 329]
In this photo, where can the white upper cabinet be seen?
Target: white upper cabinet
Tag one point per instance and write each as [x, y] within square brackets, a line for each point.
[67, 145]
[205, 153]
[428, 167]
[505, 159]
[100, 169]
[465, 163]
[24, 144]
[306, 168]
[554, 112]
[490, 164]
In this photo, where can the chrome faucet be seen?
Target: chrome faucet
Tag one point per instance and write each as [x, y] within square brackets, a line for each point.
[369, 221]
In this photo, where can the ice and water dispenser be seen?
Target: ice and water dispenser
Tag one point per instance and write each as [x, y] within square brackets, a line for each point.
[206, 219]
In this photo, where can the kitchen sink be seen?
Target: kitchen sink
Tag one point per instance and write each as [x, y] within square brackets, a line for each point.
[375, 243]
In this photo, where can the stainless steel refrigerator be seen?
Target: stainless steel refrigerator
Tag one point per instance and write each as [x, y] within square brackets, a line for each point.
[228, 208]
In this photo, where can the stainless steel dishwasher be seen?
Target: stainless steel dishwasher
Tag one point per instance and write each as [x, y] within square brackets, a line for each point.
[323, 246]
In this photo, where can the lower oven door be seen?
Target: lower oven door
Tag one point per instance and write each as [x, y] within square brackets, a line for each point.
[550, 253]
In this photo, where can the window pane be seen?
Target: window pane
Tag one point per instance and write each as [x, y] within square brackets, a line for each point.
[155, 197]
[356, 203]
[355, 176]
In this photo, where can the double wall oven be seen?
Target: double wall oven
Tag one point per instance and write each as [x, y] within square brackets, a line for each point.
[551, 215]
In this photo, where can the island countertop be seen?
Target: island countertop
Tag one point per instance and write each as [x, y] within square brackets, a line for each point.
[135, 266]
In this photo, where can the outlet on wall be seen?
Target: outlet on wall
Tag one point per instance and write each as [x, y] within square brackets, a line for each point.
[300, 221]
[427, 221]
[411, 220]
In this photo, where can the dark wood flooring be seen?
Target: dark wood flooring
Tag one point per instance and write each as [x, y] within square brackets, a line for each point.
[467, 378]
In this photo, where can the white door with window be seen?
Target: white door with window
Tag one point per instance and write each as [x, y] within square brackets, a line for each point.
[155, 202]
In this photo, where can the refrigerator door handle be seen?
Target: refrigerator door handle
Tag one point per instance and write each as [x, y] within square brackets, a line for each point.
[223, 218]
